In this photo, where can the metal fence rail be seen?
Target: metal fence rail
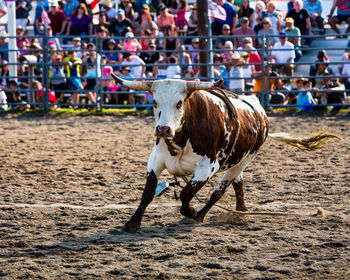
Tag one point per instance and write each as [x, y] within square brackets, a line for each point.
[33, 59]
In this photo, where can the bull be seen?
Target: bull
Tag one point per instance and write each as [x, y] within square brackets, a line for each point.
[202, 130]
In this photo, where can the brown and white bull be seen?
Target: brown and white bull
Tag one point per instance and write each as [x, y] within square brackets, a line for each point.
[199, 134]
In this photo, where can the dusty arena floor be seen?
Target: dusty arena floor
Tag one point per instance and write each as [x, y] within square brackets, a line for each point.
[68, 184]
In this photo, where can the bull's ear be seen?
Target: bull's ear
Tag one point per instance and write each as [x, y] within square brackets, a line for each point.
[144, 85]
[196, 85]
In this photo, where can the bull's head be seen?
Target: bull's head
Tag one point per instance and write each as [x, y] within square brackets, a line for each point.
[169, 99]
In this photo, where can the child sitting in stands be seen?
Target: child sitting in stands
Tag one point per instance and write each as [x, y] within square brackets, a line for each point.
[304, 95]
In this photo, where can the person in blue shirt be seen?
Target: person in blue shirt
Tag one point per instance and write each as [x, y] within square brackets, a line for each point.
[304, 95]
[125, 75]
[314, 7]
[231, 18]
[4, 46]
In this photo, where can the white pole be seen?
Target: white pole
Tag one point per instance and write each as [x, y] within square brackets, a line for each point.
[11, 27]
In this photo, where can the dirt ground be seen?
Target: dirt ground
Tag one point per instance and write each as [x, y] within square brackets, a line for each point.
[68, 185]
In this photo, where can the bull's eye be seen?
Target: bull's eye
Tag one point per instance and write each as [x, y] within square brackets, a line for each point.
[155, 104]
[179, 105]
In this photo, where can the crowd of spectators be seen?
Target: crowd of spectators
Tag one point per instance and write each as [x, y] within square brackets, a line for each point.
[159, 40]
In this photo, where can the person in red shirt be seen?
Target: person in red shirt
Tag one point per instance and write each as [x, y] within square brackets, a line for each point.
[57, 18]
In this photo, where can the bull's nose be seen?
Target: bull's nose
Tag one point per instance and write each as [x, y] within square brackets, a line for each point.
[163, 131]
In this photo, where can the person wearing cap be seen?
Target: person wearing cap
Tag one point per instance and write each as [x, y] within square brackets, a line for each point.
[283, 55]
[314, 7]
[58, 79]
[4, 45]
[128, 96]
[113, 53]
[80, 23]
[322, 68]
[77, 47]
[58, 20]
[343, 15]
[301, 19]
[118, 25]
[231, 17]
[131, 44]
[164, 19]
[106, 7]
[136, 64]
[244, 29]
[20, 36]
[293, 34]
[151, 57]
[247, 69]
[224, 37]
[23, 7]
[236, 74]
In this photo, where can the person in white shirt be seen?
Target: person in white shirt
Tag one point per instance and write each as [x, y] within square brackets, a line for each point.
[237, 84]
[3, 101]
[173, 71]
[283, 55]
[137, 65]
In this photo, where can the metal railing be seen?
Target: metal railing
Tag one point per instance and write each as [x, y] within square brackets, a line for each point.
[33, 59]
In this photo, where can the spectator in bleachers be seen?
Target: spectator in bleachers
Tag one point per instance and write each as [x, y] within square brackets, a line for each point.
[4, 73]
[301, 19]
[332, 92]
[102, 33]
[106, 7]
[77, 47]
[247, 69]
[343, 15]
[290, 5]
[22, 46]
[119, 24]
[171, 44]
[346, 71]
[181, 21]
[137, 65]
[57, 18]
[228, 53]
[322, 69]
[144, 21]
[283, 55]
[159, 37]
[344, 58]
[192, 24]
[50, 39]
[111, 54]
[218, 65]
[146, 39]
[151, 57]
[3, 101]
[39, 90]
[69, 7]
[314, 7]
[73, 65]
[231, 18]
[244, 10]
[224, 37]
[23, 7]
[4, 45]
[121, 98]
[80, 22]
[93, 61]
[173, 70]
[303, 94]
[131, 44]
[273, 15]
[165, 19]
[244, 29]
[267, 32]
[293, 34]
[14, 96]
[256, 17]
[58, 80]
[185, 60]
[128, 8]
[236, 73]
[20, 35]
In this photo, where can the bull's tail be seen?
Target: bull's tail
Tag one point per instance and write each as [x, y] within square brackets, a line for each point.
[314, 142]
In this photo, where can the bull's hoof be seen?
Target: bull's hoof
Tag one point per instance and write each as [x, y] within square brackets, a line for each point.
[199, 218]
[131, 227]
[241, 208]
[188, 212]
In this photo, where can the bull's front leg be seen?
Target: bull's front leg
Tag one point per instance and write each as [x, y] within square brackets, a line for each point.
[186, 195]
[148, 194]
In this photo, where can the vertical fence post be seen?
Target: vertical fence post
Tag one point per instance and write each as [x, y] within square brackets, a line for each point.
[100, 93]
[45, 72]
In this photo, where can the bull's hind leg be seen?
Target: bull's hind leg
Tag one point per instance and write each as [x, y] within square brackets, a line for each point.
[215, 197]
[239, 190]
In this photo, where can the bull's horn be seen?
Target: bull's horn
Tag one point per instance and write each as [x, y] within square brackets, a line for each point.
[133, 84]
[192, 86]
